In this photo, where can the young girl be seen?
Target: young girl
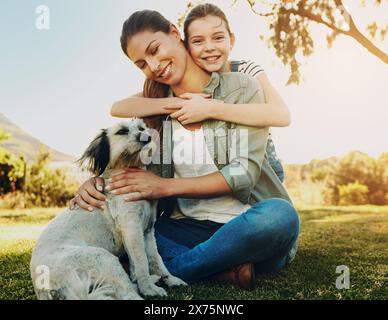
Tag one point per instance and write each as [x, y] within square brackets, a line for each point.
[209, 40]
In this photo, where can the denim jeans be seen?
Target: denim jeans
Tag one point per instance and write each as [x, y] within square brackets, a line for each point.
[274, 160]
[266, 234]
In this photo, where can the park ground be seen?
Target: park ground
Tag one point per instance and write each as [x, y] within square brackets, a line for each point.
[356, 237]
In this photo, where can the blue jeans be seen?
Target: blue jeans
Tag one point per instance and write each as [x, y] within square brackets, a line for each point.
[274, 160]
[266, 234]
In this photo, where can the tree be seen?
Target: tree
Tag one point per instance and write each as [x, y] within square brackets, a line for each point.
[357, 176]
[11, 168]
[35, 185]
[289, 25]
[353, 194]
[46, 187]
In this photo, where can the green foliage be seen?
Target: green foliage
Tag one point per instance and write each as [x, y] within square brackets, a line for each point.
[353, 193]
[4, 135]
[32, 186]
[355, 178]
[11, 171]
[46, 187]
[358, 168]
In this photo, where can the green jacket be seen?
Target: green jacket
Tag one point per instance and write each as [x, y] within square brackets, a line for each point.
[244, 164]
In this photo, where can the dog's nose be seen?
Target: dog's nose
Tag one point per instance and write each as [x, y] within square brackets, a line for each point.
[143, 137]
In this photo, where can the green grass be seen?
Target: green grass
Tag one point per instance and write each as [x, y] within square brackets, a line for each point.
[330, 236]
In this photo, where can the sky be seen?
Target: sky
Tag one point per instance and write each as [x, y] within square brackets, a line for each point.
[59, 84]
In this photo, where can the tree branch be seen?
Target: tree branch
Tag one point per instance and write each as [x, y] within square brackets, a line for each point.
[252, 6]
[353, 31]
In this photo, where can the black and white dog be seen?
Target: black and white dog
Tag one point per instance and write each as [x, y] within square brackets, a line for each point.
[76, 256]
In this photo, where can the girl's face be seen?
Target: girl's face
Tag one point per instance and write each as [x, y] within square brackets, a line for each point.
[209, 43]
[161, 56]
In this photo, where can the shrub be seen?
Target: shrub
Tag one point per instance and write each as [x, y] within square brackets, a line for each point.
[12, 170]
[43, 187]
[353, 170]
[353, 193]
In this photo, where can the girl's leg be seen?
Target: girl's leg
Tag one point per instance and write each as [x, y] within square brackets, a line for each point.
[264, 235]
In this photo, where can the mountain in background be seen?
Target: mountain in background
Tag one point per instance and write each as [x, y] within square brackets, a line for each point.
[22, 143]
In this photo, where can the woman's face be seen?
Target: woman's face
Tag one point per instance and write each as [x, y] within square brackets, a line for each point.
[209, 43]
[161, 56]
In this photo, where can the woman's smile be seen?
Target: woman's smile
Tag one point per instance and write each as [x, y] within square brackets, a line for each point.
[166, 72]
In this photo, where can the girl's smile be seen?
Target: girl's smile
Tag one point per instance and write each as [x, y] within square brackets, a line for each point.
[212, 59]
[210, 43]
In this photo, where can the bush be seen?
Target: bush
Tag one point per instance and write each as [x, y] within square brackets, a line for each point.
[46, 187]
[12, 170]
[378, 198]
[344, 180]
[43, 187]
[353, 193]
[14, 200]
[25, 186]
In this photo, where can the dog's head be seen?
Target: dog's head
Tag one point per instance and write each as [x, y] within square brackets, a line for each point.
[117, 146]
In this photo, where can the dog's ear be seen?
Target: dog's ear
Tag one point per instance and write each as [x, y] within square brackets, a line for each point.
[97, 154]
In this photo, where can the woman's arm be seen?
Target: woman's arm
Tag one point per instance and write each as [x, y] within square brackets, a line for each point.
[140, 107]
[273, 113]
[150, 186]
[215, 183]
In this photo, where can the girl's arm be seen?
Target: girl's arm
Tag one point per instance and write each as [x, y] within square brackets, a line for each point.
[140, 107]
[274, 113]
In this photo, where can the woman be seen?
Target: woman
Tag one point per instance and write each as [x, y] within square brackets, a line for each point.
[230, 212]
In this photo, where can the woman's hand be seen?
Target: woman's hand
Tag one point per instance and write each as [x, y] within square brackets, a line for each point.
[146, 185]
[89, 195]
[195, 108]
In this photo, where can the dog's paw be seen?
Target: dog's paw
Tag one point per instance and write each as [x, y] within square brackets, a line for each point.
[149, 289]
[172, 281]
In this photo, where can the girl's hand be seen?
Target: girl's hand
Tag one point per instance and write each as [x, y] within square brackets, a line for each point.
[195, 108]
[147, 185]
[90, 195]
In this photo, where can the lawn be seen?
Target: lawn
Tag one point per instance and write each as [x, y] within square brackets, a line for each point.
[330, 236]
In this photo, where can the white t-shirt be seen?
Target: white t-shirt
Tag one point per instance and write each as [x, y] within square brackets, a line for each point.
[191, 158]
